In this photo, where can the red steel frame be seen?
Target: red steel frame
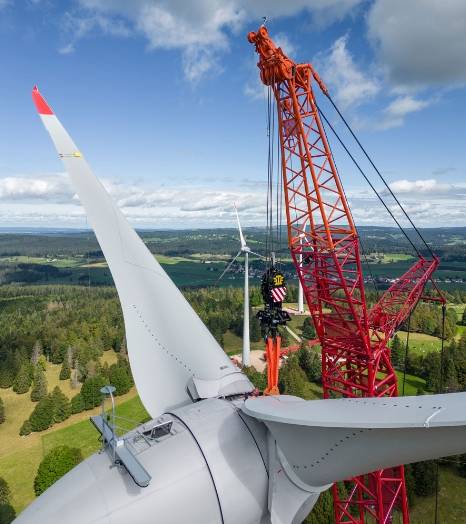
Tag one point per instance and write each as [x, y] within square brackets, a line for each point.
[321, 234]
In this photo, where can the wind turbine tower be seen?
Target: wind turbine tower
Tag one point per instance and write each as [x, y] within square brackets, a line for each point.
[243, 250]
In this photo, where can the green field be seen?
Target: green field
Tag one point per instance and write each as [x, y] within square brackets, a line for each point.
[451, 506]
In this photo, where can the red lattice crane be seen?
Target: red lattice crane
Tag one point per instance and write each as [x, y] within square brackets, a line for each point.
[325, 250]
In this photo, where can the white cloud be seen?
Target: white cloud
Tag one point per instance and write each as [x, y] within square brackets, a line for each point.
[199, 29]
[421, 42]
[395, 113]
[49, 200]
[346, 79]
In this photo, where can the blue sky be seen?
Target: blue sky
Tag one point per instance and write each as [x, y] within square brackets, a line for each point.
[163, 98]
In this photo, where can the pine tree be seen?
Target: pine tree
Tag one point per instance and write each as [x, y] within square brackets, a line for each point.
[90, 391]
[2, 411]
[292, 380]
[5, 492]
[7, 372]
[61, 405]
[424, 474]
[308, 330]
[254, 329]
[118, 377]
[26, 428]
[42, 416]
[23, 379]
[7, 513]
[310, 362]
[39, 389]
[65, 371]
[397, 353]
[77, 404]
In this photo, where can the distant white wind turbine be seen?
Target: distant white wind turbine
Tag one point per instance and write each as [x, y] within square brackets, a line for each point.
[244, 250]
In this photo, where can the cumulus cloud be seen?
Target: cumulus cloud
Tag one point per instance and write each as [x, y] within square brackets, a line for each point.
[338, 69]
[396, 112]
[49, 200]
[199, 29]
[421, 42]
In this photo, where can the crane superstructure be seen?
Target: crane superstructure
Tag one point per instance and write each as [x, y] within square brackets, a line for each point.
[325, 250]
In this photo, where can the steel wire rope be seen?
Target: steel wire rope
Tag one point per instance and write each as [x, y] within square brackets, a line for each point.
[379, 173]
[406, 352]
[442, 363]
[368, 181]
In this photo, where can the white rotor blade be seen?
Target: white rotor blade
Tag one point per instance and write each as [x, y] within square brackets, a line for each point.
[169, 347]
[228, 267]
[324, 441]
[256, 254]
[243, 242]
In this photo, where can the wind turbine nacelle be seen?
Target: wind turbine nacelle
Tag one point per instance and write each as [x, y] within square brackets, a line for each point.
[209, 469]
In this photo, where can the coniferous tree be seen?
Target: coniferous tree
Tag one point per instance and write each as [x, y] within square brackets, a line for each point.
[118, 377]
[397, 353]
[310, 362]
[61, 405]
[2, 411]
[42, 416]
[254, 329]
[5, 492]
[39, 388]
[77, 404]
[7, 513]
[7, 372]
[424, 474]
[308, 329]
[292, 379]
[26, 428]
[65, 371]
[90, 392]
[23, 379]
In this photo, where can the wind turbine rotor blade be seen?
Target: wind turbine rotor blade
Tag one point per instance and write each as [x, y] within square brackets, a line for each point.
[227, 268]
[257, 254]
[243, 241]
[343, 438]
[169, 348]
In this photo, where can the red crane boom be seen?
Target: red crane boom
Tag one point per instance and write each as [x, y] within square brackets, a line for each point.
[325, 251]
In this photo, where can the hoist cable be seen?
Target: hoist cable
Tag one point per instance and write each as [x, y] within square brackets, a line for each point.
[368, 181]
[379, 173]
[406, 352]
[442, 362]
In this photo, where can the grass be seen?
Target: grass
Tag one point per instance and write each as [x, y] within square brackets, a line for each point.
[451, 502]
[420, 342]
[412, 384]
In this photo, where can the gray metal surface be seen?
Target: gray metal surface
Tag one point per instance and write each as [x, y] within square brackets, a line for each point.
[234, 459]
[321, 442]
[167, 342]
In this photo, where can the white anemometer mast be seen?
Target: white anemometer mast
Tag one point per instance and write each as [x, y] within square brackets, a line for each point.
[300, 287]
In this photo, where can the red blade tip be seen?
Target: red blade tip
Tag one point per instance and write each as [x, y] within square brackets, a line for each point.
[42, 107]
